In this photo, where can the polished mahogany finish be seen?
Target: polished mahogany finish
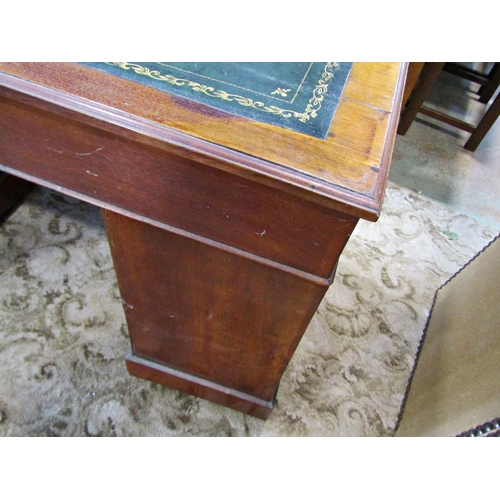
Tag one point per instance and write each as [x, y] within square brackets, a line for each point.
[173, 190]
[208, 312]
[225, 232]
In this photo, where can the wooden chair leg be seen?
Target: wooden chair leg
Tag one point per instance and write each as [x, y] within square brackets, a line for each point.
[490, 88]
[428, 77]
[484, 125]
[414, 71]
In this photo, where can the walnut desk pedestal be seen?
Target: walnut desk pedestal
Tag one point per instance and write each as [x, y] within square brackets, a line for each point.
[225, 232]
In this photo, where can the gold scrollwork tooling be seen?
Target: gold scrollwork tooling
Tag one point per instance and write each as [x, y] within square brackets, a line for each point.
[317, 99]
[311, 110]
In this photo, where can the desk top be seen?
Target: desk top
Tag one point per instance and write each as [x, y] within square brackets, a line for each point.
[347, 170]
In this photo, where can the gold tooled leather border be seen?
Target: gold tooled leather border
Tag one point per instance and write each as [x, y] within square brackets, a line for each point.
[311, 111]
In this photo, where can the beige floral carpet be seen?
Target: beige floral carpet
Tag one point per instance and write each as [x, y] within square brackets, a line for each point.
[63, 335]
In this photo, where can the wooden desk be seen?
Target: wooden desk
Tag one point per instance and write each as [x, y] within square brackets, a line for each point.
[225, 232]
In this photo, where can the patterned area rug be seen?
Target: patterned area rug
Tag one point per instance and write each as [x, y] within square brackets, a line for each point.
[63, 335]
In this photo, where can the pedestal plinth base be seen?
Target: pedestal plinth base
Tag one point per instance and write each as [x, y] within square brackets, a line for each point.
[198, 387]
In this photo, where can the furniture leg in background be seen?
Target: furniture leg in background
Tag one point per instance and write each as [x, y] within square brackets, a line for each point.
[420, 90]
[484, 125]
[428, 76]
[414, 70]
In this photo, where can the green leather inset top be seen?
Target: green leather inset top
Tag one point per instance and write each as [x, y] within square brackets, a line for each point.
[300, 96]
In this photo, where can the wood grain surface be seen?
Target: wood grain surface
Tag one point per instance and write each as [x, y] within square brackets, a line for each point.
[347, 171]
[110, 170]
[207, 312]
